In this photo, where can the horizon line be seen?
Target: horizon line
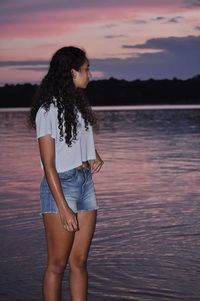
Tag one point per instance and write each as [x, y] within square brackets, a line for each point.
[197, 76]
[117, 108]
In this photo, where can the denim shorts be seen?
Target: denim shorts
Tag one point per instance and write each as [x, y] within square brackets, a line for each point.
[78, 189]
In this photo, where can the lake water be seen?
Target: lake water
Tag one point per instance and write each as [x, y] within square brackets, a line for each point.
[147, 242]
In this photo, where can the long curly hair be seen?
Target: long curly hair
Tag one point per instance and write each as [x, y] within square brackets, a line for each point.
[57, 87]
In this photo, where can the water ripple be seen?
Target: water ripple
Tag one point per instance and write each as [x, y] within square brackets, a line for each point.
[147, 241]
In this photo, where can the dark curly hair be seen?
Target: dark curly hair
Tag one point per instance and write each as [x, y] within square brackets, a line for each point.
[58, 88]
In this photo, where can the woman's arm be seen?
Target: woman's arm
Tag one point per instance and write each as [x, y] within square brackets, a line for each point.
[47, 153]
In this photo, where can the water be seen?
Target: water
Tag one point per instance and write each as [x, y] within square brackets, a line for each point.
[147, 242]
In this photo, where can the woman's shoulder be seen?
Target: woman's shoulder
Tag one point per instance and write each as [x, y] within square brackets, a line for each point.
[52, 108]
[47, 112]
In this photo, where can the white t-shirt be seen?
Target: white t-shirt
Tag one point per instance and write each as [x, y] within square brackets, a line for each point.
[66, 157]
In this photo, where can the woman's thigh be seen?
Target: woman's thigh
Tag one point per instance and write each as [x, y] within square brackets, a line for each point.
[83, 237]
[59, 241]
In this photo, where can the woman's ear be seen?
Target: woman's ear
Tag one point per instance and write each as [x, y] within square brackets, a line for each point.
[74, 73]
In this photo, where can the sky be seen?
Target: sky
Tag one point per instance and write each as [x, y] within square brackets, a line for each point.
[138, 39]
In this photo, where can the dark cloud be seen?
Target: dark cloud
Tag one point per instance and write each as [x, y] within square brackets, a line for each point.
[176, 57]
[109, 25]
[162, 19]
[174, 19]
[23, 63]
[170, 44]
[159, 18]
[167, 20]
[197, 27]
[137, 21]
[192, 3]
[32, 68]
[115, 36]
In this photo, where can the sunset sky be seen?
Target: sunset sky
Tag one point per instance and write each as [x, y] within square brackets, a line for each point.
[138, 39]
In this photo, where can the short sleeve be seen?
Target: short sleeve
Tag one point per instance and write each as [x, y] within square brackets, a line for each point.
[46, 122]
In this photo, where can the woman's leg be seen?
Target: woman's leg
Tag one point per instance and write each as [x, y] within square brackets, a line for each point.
[59, 244]
[79, 254]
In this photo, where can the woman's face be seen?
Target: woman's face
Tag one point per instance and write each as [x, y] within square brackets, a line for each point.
[81, 77]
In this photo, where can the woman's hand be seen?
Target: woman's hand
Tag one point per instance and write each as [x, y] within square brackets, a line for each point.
[96, 164]
[69, 220]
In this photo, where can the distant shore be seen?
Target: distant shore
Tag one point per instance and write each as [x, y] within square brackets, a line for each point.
[114, 92]
[120, 108]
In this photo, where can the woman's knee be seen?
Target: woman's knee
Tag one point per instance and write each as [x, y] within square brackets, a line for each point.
[78, 262]
[56, 266]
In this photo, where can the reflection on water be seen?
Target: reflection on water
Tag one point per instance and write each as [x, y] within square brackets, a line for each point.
[147, 241]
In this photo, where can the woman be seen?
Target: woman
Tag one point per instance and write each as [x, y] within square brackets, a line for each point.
[63, 120]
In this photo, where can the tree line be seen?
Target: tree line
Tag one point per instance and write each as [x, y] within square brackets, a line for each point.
[117, 92]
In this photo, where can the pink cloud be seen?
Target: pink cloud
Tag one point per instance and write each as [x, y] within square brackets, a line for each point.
[10, 75]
